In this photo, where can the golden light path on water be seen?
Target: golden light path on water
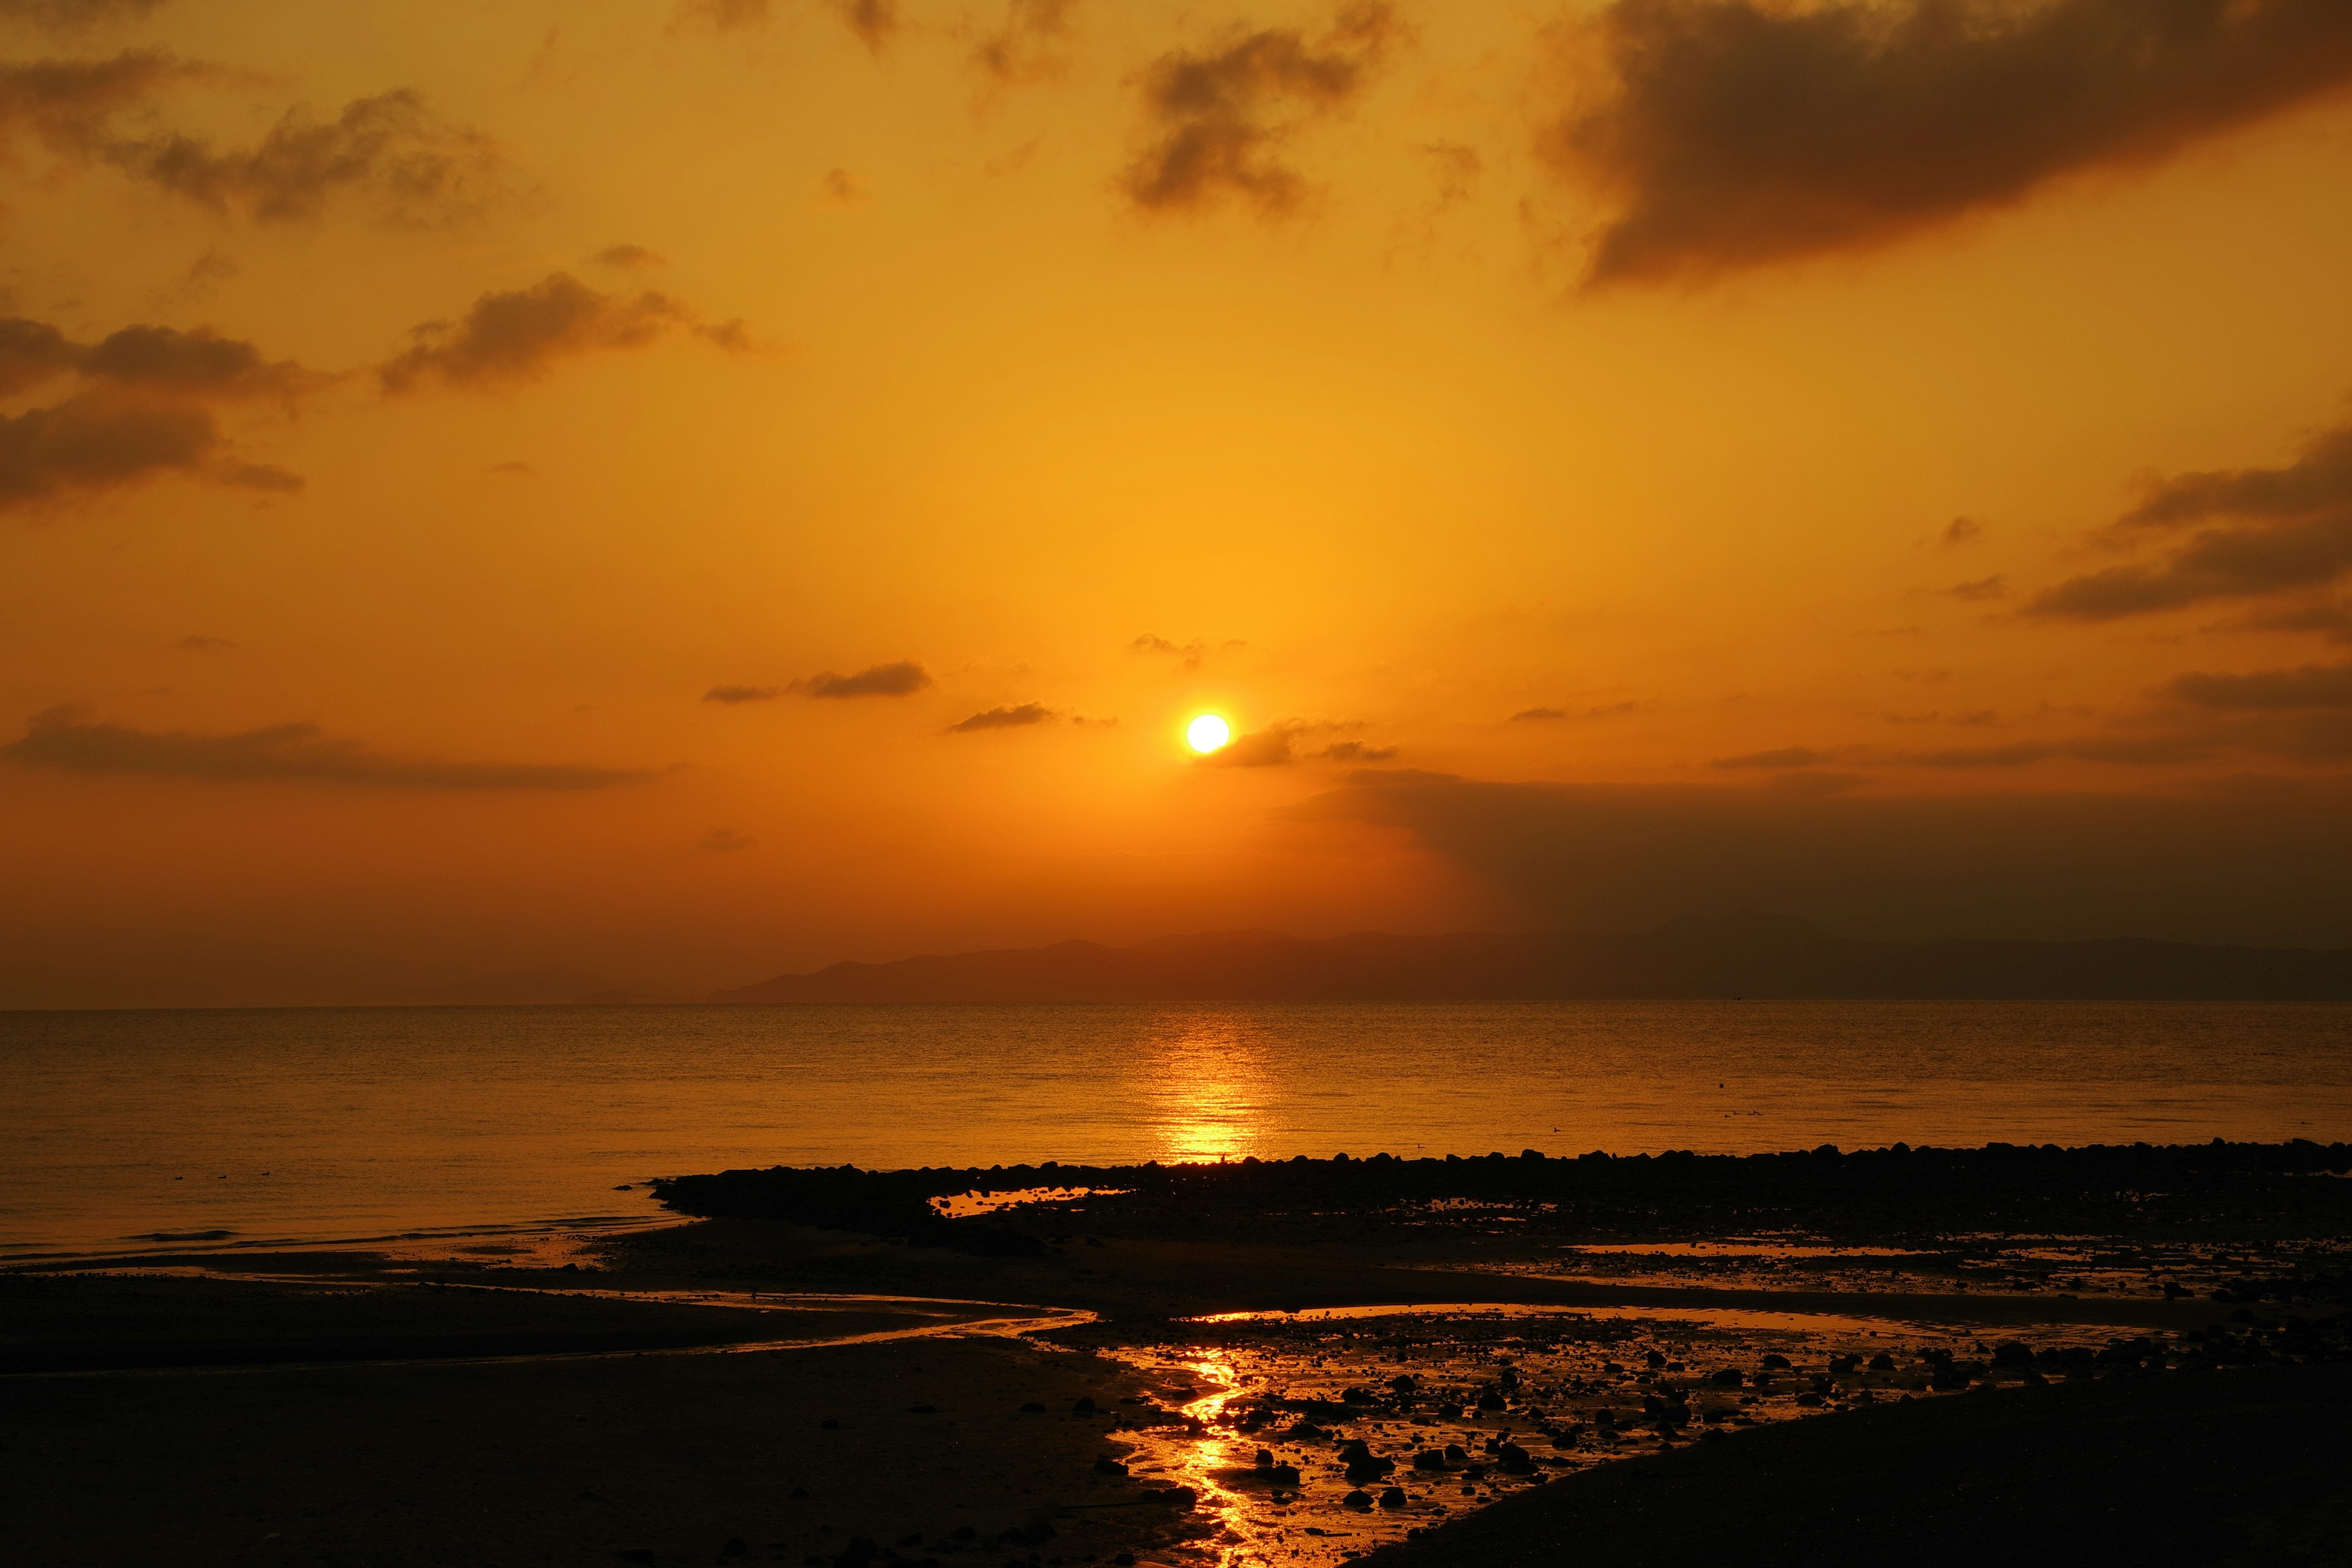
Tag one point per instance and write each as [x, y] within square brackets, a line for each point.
[1209, 1088]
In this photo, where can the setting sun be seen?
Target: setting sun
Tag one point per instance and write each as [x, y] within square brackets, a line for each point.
[1207, 733]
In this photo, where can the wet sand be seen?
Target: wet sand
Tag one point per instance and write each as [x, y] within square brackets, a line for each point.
[747, 1389]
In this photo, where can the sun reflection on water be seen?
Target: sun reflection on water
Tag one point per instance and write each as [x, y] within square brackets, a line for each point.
[1209, 1086]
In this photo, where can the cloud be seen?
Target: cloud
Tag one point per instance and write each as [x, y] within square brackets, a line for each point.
[1984, 588]
[2331, 621]
[726, 841]
[902, 678]
[1218, 121]
[144, 408]
[840, 189]
[1528, 715]
[78, 16]
[1605, 711]
[69, 106]
[1739, 132]
[195, 644]
[1267, 748]
[1355, 752]
[742, 694]
[2253, 860]
[1960, 531]
[62, 738]
[518, 335]
[628, 258]
[1028, 713]
[1027, 45]
[419, 167]
[2312, 686]
[2272, 530]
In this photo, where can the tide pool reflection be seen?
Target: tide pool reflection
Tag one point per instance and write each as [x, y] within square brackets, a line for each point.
[1208, 1084]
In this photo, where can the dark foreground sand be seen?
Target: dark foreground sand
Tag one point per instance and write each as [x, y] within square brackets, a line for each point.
[2182, 1397]
[2246, 1468]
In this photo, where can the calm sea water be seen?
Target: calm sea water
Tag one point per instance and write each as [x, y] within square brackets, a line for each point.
[335, 1123]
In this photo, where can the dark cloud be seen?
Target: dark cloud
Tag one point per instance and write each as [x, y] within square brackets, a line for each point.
[392, 147]
[97, 442]
[1218, 120]
[518, 335]
[2269, 530]
[1019, 718]
[1605, 711]
[1028, 44]
[69, 106]
[1527, 715]
[145, 407]
[2312, 686]
[2256, 861]
[726, 841]
[628, 258]
[742, 694]
[32, 352]
[1737, 132]
[1984, 588]
[62, 738]
[1785, 757]
[1355, 752]
[902, 678]
[419, 167]
[78, 16]
[1960, 531]
[1267, 748]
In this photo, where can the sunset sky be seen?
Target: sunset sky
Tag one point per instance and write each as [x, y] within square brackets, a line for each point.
[682, 492]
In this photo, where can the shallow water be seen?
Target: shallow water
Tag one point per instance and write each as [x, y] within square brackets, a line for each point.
[333, 1123]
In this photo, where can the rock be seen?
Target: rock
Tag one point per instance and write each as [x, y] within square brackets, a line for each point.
[1456, 1455]
[1393, 1498]
[1515, 1460]
[922, 1410]
[1359, 1397]
[735, 1546]
[1728, 1377]
[1107, 1465]
[800, 1491]
[1429, 1459]
[1654, 1360]
[1776, 1361]
[1032, 1409]
[2012, 1354]
[1175, 1497]
[1085, 1406]
[860, 1551]
[1605, 1419]
[830, 1424]
[1265, 1458]
[1449, 1412]
[1403, 1384]
[1307, 1432]
[1490, 1400]
[1359, 1499]
[1881, 1362]
[1287, 1476]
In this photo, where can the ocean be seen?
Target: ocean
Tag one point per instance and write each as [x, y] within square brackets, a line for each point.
[124, 1131]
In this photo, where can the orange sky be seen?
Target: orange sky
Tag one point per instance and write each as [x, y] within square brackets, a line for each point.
[1572, 439]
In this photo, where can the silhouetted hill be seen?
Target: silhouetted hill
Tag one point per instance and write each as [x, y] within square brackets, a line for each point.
[1739, 955]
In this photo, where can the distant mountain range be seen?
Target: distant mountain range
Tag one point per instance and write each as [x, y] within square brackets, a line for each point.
[1735, 956]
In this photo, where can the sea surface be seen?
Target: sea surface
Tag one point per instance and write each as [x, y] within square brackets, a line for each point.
[121, 1131]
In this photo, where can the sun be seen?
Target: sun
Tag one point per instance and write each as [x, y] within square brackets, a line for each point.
[1207, 733]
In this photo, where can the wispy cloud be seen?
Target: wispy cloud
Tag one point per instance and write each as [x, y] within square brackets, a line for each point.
[1219, 119]
[1019, 718]
[2260, 532]
[393, 147]
[63, 738]
[511, 336]
[742, 694]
